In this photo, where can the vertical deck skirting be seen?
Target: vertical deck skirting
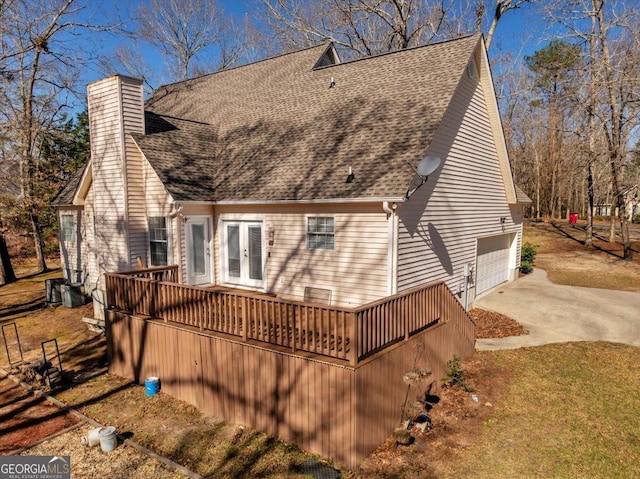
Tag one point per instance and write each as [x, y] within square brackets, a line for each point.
[339, 411]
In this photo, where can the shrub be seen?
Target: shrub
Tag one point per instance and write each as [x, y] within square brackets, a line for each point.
[528, 257]
[636, 219]
[454, 376]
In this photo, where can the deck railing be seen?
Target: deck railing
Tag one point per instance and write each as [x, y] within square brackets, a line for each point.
[349, 334]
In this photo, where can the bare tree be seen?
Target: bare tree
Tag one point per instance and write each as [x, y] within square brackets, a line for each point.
[179, 30]
[614, 89]
[368, 27]
[192, 37]
[358, 27]
[502, 7]
[39, 73]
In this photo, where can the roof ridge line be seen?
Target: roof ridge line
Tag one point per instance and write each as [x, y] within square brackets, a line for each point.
[279, 55]
[417, 47]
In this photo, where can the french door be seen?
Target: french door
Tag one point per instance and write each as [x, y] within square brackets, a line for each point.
[243, 248]
[198, 243]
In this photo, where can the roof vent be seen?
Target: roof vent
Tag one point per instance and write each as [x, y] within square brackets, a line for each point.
[329, 57]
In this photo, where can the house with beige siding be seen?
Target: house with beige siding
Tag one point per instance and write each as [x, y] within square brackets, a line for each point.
[282, 242]
[294, 176]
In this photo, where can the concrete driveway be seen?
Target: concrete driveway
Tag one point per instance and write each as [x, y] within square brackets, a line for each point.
[555, 313]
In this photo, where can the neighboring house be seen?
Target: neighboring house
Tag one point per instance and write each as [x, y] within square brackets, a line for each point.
[295, 176]
[630, 195]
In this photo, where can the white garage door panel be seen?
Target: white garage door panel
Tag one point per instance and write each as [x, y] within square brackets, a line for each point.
[492, 265]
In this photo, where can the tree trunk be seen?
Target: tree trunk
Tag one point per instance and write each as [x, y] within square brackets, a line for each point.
[612, 222]
[615, 134]
[537, 187]
[7, 274]
[588, 241]
[37, 241]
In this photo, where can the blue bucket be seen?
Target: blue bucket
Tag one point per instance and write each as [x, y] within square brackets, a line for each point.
[152, 385]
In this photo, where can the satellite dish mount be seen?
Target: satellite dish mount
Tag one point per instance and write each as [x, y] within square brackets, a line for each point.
[427, 165]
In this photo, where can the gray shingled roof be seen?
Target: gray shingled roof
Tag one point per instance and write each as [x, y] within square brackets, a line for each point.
[66, 194]
[275, 130]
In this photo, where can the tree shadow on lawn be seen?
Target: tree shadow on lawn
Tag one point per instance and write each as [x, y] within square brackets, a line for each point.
[22, 308]
[567, 234]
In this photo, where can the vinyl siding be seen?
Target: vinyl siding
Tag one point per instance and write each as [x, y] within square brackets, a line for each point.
[72, 251]
[133, 122]
[355, 271]
[463, 201]
[90, 262]
[158, 202]
[108, 180]
[115, 109]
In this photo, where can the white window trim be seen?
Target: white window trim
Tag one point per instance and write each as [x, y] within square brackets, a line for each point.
[223, 265]
[72, 231]
[306, 232]
[168, 227]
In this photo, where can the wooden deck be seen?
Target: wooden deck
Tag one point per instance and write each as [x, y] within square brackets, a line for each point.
[347, 334]
[328, 379]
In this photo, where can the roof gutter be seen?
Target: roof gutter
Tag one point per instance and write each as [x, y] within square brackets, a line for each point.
[280, 202]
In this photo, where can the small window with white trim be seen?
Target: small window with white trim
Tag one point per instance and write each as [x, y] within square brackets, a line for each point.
[158, 242]
[320, 232]
[67, 229]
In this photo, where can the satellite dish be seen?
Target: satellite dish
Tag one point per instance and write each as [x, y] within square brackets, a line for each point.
[428, 165]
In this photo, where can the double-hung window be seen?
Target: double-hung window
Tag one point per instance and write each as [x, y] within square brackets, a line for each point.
[320, 232]
[158, 243]
[67, 229]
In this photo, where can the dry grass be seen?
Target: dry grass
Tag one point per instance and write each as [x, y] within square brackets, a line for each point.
[570, 410]
[23, 303]
[566, 260]
[91, 462]
[177, 430]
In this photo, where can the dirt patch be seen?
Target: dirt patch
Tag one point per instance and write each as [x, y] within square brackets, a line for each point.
[26, 418]
[458, 418]
[490, 324]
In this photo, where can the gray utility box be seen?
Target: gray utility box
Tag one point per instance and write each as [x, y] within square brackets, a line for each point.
[72, 295]
[54, 295]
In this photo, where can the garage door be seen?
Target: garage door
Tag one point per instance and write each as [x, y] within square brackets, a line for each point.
[492, 265]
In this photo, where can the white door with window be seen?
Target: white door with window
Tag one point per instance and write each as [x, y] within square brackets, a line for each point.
[198, 243]
[243, 253]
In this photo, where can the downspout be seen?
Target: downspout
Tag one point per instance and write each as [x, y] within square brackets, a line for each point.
[392, 254]
[177, 209]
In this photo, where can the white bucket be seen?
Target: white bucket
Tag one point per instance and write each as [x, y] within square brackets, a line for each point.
[108, 438]
[92, 438]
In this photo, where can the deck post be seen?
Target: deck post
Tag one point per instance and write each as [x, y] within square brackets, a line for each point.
[354, 338]
[153, 298]
[294, 336]
[245, 318]
[405, 322]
